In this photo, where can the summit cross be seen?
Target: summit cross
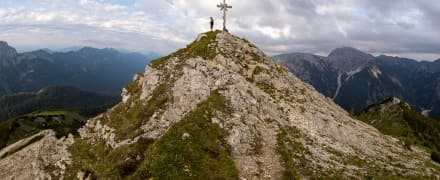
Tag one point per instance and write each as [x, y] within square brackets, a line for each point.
[224, 7]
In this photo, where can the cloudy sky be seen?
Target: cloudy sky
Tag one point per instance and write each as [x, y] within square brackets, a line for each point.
[409, 28]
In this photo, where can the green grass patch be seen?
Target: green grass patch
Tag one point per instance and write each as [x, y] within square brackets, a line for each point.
[390, 122]
[103, 162]
[292, 153]
[205, 48]
[256, 57]
[404, 123]
[426, 130]
[258, 70]
[205, 154]
[202, 49]
[160, 62]
[50, 113]
[266, 87]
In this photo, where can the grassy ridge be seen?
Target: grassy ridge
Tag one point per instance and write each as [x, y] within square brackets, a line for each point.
[406, 124]
[196, 49]
[203, 154]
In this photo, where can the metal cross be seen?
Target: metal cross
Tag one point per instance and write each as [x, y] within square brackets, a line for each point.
[224, 7]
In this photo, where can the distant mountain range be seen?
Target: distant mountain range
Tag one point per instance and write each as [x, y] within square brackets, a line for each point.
[55, 98]
[355, 79]
[91, 69]
[78, 48]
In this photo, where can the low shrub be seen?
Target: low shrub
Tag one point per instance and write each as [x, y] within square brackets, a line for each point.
[435, 156]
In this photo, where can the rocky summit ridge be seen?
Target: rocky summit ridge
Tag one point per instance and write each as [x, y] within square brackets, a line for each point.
[222, 109]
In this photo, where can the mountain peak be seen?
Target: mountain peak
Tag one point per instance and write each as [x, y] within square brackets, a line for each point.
[217, 45]
[47, 50]
[221, 108]
[3, 43]
[345, 49]
[70, 49]
[88, 49]
[348, 58]
[222, 94]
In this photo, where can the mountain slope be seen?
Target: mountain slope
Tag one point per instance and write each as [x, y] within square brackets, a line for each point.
[354, 79]
[421, 81]
[221, 108]
[365, 87]
[63, 122]
[313, 69]
[99, 70]
[396, 118]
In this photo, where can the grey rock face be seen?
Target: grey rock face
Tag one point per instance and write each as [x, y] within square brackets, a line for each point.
[347, 59]
[33, 160]
[315, 70]
[8, 55]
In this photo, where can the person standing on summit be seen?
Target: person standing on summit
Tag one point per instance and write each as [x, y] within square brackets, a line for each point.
[212, 23]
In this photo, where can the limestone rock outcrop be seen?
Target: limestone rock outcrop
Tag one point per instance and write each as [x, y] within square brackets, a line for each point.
[265, 100]
[35, 157]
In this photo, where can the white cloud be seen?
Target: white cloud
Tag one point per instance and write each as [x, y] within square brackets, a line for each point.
[276, 26]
